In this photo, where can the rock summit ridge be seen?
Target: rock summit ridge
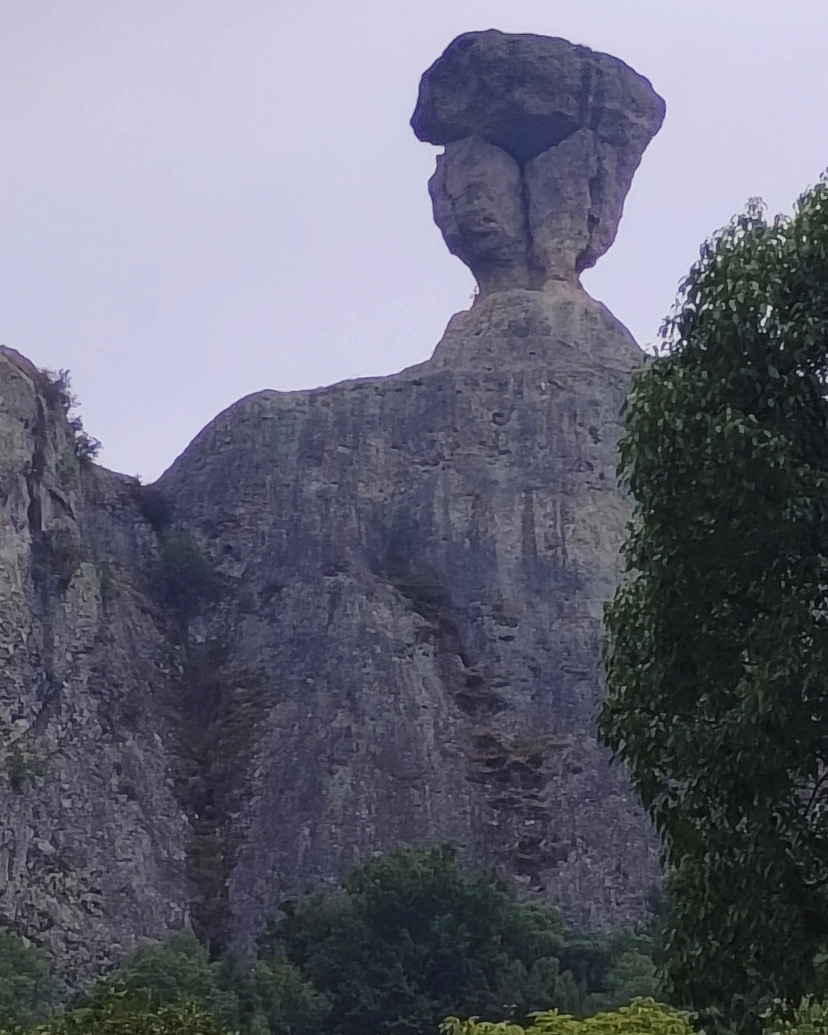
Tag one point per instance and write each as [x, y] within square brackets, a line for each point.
[542, 138]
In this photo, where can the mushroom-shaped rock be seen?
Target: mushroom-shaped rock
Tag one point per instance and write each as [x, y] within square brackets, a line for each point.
[570, 125]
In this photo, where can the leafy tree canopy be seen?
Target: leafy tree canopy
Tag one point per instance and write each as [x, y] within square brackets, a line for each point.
[115, 1014]
[175, 971]
[409, 939]
[27, 986]
[716, 647]
[643, 1016]
[412, 938]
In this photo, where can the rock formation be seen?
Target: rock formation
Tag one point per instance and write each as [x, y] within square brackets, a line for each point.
[541, 142]
[400, 642]
[93, 845]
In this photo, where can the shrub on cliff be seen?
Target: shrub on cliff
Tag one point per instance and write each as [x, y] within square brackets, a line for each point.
[187, 577]
[57, 391]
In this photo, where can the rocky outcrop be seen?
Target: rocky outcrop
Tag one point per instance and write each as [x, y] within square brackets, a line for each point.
[353, 618]
[416, 568]
[92, 845]
[541, 143]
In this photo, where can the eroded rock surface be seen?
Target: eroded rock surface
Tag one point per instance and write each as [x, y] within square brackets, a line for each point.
[93, 844]
[417, 566]
[542, 139]
[404, 647]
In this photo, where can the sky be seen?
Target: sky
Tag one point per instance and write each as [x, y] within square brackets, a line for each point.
[203, 198]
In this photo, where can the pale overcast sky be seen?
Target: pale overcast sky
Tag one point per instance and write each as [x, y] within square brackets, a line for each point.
[202, 198]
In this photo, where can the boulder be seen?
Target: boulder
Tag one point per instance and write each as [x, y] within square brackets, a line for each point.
[574, 123]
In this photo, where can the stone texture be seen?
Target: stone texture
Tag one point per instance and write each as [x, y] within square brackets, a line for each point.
[405, 645]
[477, 197]
[92, 843]
[423, 561]
[575, 123]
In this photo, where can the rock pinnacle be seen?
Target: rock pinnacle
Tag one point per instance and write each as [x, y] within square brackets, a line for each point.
[542, 139]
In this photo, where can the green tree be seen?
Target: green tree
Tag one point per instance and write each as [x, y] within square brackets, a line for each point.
[27, 987]
[641, 1017]
[412, 938]
[115, 1014]
[284, 1003]
[716, 647]
[176, 971]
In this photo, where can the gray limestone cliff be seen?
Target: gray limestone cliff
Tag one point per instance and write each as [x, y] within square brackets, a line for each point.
[93, 845]
[396, 639]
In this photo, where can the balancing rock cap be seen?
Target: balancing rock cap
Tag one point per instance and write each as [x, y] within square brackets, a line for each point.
[526, 93]
[571, 126]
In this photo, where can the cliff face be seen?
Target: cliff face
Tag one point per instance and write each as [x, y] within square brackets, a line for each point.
[92, 845]
[416, 569]
[400, 644]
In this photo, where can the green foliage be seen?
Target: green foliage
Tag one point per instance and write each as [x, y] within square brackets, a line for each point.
[629, 971]
[412, 938]
[57, 391]
[716, 647]
[27, 987]
[409, 939]
[23, 765]
[284, 1003]
[155, 506]
[809, 1018]
[270, 999]
[187, 578]
[62, 555]
[116, 1014]
[642, 1016]
[175, 971]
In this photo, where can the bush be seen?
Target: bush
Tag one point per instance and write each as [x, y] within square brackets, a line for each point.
[57, 391]
[154, 505]
[412, 938]
[187, 578]
[27, 986]
[271, 998]
[115, 1015]
[23, 765]
[809, 1018]
[641, 1017]
[285, 1003]
[175, 971]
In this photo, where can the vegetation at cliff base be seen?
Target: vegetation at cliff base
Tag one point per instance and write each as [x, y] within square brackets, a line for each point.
[716, 646]
[117, 1016]
[407, 941]
[27, 986]
[412, 938]
[178, 970]
[643, 1016]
